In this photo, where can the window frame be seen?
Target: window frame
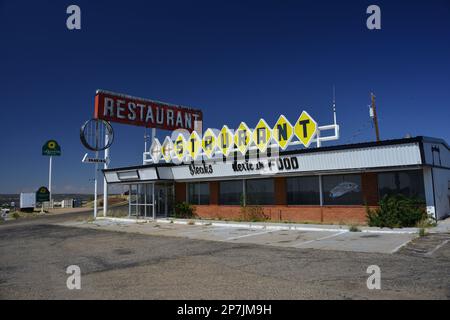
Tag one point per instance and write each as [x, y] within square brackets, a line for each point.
[324, 191]
[246, 193]
[198, 201]
[319, 190]
[419, 172]
[242, 186]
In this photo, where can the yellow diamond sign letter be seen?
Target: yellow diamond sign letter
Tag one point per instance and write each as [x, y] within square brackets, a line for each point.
[225, 141]
[180, 147]
[243, 137]
[194, 145]
[262, 135]
[305, 128]
[155, 150]
[209, 143]
[166, 149]
[283, 132]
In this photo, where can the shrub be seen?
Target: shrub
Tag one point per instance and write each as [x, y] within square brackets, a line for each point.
[354, 228]
[397, 211]
[428, 222]
[422, 232]
[184, 210]
[253, 214]
[16, 215]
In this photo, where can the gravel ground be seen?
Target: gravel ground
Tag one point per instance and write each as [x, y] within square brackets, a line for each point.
[35, 253]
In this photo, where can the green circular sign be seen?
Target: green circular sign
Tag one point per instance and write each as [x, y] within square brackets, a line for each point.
[51, 148]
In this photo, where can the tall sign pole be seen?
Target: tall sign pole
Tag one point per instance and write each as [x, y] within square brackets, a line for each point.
[91, 136]
[105, 184]
[51, 148]
[50, 180]
[96, 173]
[95, 187]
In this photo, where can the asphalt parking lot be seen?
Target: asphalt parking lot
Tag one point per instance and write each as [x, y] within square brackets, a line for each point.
[129, 265]
[312, 238]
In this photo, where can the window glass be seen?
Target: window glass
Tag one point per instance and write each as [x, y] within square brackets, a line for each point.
[303, 190]
[342, 189]
[259, 191]
[409, 183]
[198, 193]
[230, 192]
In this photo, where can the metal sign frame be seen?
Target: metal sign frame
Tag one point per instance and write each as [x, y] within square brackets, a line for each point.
[317, 137]
[130, 110]
[108, 131]
[108, 134]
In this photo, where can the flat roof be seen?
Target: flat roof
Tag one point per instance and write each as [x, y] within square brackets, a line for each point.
[361, 145]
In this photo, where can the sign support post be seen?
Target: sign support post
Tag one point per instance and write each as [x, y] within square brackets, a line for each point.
[51, 148]
[95, 186]
[105, 184]
[96, 175]
[50, 180]
[91, 136]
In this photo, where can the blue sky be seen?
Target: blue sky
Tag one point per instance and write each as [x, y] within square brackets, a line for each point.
[235, 60]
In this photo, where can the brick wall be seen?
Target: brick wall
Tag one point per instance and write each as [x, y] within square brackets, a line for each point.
[214, 193]
[280, 191]
[281, 213]
[180, 191]
[290, 213]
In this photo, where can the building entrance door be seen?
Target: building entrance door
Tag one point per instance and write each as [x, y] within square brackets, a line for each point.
[150, 200]
[163, 199]
[140, 200]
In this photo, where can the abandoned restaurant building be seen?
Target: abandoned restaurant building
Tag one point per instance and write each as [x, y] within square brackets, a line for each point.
[220, 172]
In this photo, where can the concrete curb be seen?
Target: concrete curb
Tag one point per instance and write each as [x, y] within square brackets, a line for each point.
[267, 226]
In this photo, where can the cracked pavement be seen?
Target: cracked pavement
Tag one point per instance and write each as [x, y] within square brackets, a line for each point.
[122, 265]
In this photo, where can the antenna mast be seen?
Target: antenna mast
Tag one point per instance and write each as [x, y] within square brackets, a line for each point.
[334, 105]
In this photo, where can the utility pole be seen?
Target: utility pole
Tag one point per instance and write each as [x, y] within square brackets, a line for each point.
[373, 115]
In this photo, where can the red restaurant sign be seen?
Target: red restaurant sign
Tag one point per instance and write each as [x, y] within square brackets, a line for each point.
[126, 109]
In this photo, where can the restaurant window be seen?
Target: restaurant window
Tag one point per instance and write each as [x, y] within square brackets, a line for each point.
[230, 192]
[198, 193]
[259, 192]
[303, 190]
[408, 183]
[342, 189]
